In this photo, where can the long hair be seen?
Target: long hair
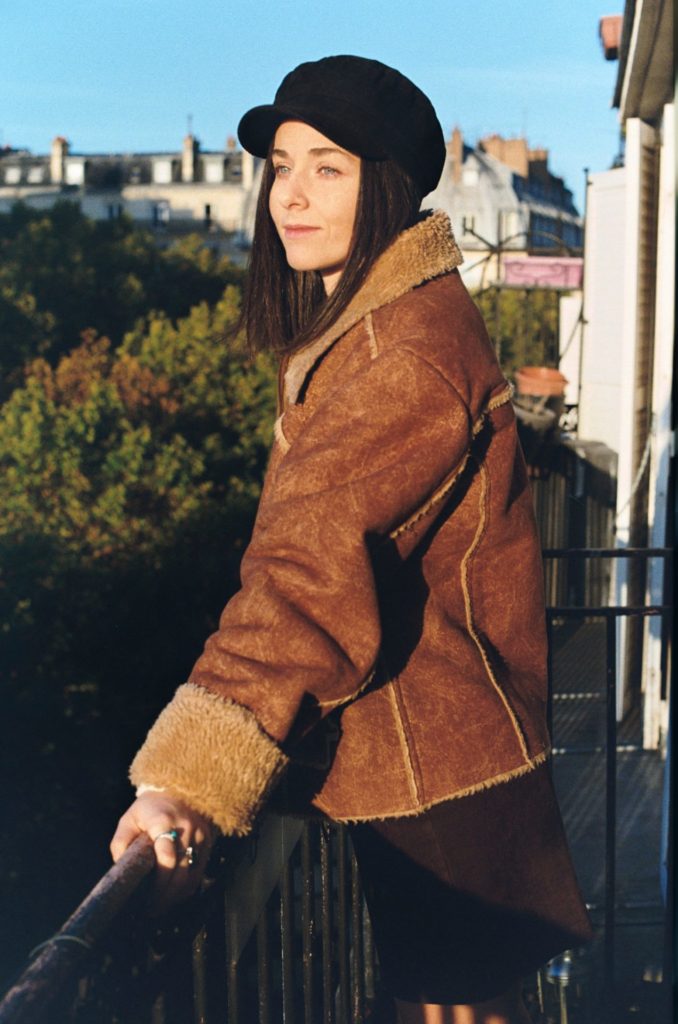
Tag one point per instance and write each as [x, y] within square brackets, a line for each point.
[285, 308]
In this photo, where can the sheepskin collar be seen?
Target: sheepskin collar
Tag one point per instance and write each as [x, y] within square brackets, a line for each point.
[424, 251]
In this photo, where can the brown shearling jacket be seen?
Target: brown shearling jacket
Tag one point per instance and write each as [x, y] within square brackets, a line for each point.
[387, 648]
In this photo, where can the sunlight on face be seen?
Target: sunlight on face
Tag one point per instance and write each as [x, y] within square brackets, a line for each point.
[313, 199]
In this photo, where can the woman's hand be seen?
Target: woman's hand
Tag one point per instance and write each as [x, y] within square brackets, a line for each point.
[180, 860]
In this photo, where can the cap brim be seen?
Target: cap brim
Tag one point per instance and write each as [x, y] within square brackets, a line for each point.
[258, 126]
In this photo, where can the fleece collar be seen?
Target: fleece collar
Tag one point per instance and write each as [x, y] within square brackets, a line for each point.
[424, 251]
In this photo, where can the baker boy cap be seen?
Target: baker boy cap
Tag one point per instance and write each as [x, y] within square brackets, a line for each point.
[362, 105]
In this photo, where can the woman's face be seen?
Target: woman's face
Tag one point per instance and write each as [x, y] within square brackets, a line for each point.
[313, 199]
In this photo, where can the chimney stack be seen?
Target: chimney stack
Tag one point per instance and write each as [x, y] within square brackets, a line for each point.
[189, 158]
[57, 160]
[455, 148]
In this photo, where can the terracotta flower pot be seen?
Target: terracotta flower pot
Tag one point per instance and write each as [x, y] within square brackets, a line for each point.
[540, 381]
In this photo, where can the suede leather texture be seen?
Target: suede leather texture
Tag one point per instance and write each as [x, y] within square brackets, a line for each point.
[388, 640]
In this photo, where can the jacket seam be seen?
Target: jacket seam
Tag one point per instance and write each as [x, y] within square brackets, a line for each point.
[279, 435]
[404, 745]
[371, 336]
[475, 636]
[434, 500]
[355, 693]
[501, 399]
[477, 787]
[411, 745]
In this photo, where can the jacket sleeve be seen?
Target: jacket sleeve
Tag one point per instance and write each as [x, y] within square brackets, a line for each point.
[302, 635]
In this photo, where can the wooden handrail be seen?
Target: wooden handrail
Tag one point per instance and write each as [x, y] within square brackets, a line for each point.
[246, 885]
[57, 959]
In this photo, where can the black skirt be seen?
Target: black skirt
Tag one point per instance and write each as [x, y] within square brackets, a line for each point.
[472, 895]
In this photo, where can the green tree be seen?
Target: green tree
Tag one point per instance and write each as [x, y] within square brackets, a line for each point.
[124, 472]
[523, 324]
[130, 467]
[62, 273]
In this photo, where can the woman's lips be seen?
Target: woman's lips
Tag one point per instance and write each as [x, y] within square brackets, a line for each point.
[298, 230]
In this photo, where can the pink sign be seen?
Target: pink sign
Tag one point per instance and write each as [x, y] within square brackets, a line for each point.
[543, 271]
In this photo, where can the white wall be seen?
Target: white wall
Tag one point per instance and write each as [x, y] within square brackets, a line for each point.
[187, 202]
[569, 346]
[655, 714]
[599, 400]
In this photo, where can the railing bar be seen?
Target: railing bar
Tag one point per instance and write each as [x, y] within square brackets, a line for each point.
[264, 967]
[610, 814]
[357, 933]
[286, 938]
[606, 552]
[343, 935]
[307, 922]
[200, 1012]
[579, 695]
[622, 748]
[549, 676]
[158, 1009]
[326, 926]
[603, 611]
[368, 940]
[231, 923]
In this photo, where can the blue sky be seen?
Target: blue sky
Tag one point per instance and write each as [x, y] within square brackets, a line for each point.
[124, 75]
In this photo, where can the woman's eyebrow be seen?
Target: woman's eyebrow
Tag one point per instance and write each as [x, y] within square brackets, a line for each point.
[324, 150]
[315, 151]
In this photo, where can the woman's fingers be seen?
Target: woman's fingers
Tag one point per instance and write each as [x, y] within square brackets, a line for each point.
[182, 841]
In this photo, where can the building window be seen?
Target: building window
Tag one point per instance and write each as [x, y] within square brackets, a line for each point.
[208, 214]
[509, 226]
[214, 171]
[470, 176]
[75, 173]
[114, 211]
[161, 212]
[468, 224]
[36, 175]
[162, 172]
[12, 175]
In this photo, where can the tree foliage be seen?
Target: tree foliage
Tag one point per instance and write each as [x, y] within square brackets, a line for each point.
[62, 273]
[523, 324]
[115, 450]
[134, 432]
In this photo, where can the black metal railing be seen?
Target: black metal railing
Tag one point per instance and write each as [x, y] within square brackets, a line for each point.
[606, 693]
[279, 931]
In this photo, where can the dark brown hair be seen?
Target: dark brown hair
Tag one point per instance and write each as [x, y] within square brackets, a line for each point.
[285, 308]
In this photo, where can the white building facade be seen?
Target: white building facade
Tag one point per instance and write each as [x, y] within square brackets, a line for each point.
[181, 190]
[502, 199]
[626, 360]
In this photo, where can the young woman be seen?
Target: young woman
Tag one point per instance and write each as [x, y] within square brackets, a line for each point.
[386, 653]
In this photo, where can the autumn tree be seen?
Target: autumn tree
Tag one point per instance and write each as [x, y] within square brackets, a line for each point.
[62, 273]
[135, 459]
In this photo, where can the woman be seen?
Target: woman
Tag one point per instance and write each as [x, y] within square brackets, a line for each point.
[386, 652]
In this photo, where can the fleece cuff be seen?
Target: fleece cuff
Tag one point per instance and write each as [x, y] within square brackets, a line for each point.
[214, 755]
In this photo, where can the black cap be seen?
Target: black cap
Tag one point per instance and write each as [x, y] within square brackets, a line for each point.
[362, 105]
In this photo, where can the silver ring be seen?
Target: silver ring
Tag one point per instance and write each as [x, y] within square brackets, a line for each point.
[189, 856]
[171, 834]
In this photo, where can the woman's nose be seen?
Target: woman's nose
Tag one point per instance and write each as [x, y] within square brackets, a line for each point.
[292, 192]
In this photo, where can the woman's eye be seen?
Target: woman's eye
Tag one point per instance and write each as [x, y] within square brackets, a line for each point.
[329, 172]
[280, 169]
